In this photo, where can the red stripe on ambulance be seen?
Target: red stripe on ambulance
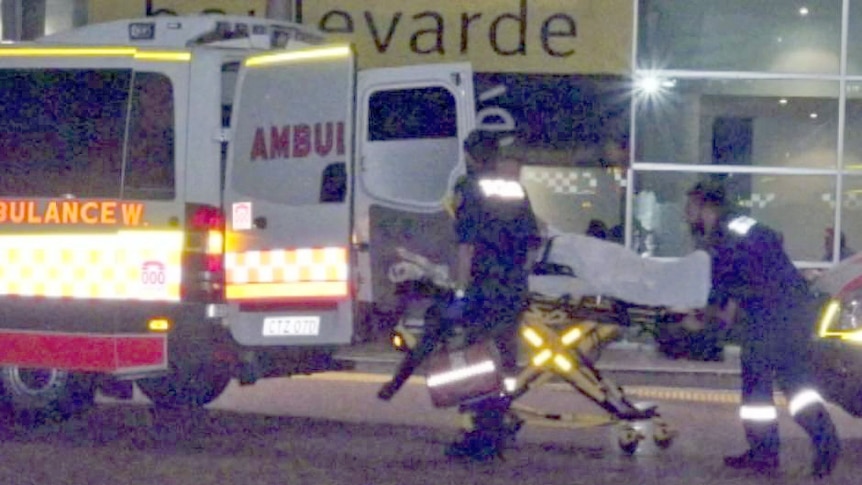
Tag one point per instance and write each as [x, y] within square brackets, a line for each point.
[84, 352]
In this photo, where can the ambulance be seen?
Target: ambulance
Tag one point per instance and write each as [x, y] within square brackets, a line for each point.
[187, 201]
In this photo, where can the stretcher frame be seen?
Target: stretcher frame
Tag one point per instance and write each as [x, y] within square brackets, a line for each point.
[564, 339]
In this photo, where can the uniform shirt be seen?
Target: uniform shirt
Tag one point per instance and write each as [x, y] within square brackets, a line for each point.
[751, 267]
[495, 216]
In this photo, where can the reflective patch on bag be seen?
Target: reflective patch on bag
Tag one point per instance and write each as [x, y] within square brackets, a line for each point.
[460, 371]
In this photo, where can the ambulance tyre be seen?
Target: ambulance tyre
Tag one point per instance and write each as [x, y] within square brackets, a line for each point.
[186, 386]
[36, 396]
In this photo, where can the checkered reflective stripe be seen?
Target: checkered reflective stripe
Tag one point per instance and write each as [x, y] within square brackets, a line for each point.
[563, 181]
[133, 265]
[757, 201]
[286, 266]
[852, 200]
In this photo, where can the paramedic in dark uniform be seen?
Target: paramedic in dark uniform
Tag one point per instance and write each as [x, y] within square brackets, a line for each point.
[752, 273]
[496, 231]
[496, 228]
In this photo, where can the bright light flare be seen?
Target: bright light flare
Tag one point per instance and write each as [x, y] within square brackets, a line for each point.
[651, 86]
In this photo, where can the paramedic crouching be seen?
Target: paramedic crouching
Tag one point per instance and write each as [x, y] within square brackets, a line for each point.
[751, 272]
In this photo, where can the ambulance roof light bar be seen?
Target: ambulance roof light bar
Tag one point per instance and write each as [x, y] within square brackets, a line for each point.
[31, 50]
[187, 31]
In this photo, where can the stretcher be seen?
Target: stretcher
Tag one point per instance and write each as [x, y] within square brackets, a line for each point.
[569, 321]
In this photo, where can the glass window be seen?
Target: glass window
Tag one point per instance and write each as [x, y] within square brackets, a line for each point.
[777, 123]
[150, 161]
[740, 35]
[798, 206]
[412, 113]
[569, 199]
[851, 219]
[229, 73]
[560, 119]
[853, 127]
[854, 37]
[61, 132]
[412, 148]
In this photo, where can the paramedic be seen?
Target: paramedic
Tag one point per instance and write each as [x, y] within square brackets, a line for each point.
[497, 231]
[752, 273]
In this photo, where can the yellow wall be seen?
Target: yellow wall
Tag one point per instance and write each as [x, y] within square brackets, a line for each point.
[107, 10]
[516, 36]
[530, 36]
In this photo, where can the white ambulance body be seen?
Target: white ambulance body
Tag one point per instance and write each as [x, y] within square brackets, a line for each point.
[187, 200]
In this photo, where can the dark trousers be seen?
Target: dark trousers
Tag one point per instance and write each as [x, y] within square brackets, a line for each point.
[774, 350]
[497, 318]
[494, 312]
[482, 320]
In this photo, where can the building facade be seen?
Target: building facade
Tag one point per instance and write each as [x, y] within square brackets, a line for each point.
[621, 105]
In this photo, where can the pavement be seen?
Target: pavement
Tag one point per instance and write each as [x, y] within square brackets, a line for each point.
[627, 363]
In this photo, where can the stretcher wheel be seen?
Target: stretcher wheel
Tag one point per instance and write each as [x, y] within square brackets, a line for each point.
[663, 434]
[629, 439]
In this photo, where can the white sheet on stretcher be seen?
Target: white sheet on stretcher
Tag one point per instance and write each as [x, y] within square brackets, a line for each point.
[608, 269]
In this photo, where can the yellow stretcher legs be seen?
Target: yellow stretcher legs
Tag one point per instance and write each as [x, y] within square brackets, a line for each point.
[563, 341]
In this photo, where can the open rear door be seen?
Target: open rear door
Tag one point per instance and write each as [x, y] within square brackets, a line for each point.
[411, 124]
[288, 198]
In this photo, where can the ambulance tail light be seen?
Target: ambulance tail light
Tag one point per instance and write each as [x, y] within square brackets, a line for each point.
[204, 265]
[210, 221]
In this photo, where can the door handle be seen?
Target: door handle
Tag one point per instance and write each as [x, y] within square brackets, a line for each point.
[259, 222]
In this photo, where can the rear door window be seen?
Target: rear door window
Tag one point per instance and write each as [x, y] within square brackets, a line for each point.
[63, 133]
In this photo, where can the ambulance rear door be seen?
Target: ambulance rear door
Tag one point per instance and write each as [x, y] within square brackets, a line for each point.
[288, 198]
[409, 155]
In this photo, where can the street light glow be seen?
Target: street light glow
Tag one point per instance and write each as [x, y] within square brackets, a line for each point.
[649, 85]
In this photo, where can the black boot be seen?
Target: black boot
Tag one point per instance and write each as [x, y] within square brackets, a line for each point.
[404, 371]
[753, 460]
[491, 433]
[408, 366]
[762, 455]
[479, 445]
[824, 438]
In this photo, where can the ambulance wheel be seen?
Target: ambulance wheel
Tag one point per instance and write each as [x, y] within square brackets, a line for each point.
[629, 439]
[39, 395]
[186, 386]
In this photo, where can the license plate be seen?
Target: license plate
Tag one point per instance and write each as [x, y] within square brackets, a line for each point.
[291, 326]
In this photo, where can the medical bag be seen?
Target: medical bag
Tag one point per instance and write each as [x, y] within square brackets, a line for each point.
[459, 376]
